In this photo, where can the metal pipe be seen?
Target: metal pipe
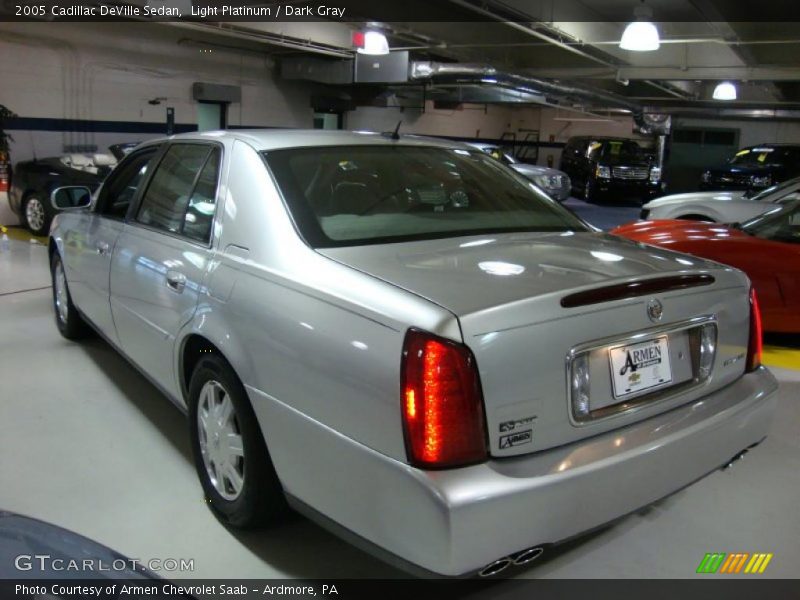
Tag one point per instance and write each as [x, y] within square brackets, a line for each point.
[476, 73]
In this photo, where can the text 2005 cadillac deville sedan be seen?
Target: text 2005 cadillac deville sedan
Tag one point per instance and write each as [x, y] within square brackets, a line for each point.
[408, 341]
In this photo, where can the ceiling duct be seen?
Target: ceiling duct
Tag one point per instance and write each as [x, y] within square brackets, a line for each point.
[654, 124]
[474, 74]
[319, 70]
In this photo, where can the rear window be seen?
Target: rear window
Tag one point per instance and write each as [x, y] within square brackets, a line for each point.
[353, 195]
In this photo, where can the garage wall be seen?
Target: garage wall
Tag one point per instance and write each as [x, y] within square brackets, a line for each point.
[108, 72]
[490, 122]
[472, 120]
[750, 132]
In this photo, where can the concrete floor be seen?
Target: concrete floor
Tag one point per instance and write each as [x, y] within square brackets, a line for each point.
[87, 443]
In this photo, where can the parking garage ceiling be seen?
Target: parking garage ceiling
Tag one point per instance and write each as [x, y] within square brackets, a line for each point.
[577, 41]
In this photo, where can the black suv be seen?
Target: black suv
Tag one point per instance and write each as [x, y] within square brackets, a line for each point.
[603, 168]
[754, 168]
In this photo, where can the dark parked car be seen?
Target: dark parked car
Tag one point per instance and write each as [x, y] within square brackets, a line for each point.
[754, 168]
[34, 180]
[610, 168]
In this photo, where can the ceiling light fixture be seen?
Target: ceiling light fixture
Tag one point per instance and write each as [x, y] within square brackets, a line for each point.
[370, 42]
[641, 35]
[724, 91]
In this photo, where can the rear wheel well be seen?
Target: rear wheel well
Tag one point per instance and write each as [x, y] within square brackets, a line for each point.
[693, 217]
[194, 348]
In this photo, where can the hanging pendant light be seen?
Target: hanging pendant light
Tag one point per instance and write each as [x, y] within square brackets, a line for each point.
[724, 91]
[641, 35]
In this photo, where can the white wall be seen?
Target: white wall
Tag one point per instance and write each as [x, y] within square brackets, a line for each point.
[470, 121]
[110, 71]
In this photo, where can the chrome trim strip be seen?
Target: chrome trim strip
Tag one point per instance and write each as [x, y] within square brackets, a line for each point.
[645, 400]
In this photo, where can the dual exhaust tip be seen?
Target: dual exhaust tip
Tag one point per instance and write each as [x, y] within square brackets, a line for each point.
[520, 558]
[740, 455]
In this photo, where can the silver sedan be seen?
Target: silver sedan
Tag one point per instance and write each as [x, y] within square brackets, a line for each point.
[556, 183]
[407, 342]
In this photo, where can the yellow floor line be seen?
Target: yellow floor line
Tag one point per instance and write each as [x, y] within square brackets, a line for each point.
[23, 235]
[785, 358]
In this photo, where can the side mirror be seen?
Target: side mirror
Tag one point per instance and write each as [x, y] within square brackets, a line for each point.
[71, 197]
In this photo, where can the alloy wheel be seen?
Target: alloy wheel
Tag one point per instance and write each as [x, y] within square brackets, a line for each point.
[220, 437]
[61, 297]
[34, 213]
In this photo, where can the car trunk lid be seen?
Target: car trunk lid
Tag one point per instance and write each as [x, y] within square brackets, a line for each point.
[529, 303]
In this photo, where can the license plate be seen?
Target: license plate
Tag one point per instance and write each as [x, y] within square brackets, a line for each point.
[641, 366]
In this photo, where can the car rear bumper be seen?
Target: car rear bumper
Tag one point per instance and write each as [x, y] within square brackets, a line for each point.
[456, 522]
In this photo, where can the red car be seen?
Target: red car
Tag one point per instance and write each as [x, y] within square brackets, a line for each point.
[766, 247]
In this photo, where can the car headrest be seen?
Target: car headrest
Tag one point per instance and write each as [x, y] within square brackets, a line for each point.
[78, 160]
[351, 198]
[103, 160]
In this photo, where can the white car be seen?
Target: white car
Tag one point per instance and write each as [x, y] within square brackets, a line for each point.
[722, 206]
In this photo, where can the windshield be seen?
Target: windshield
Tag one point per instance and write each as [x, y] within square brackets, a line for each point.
[615, 150]
[777, 190]
[760, 156]
[781, 224]
[352, 195]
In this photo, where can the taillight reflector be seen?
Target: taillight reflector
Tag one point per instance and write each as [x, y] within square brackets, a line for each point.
[755, 344]
[442, 403]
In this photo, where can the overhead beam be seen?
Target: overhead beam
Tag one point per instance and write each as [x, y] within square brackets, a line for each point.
[672, 73]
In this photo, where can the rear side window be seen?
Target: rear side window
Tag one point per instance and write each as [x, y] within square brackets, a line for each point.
[181, 196]
[200, 211]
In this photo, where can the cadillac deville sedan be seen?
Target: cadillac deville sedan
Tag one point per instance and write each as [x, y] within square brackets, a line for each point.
[409, 342]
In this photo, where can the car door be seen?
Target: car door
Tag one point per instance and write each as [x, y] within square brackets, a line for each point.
[90, 244]
[162, 255]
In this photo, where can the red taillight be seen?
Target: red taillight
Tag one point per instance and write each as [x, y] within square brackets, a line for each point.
[442, 403]
[755, 343]
[4, 172]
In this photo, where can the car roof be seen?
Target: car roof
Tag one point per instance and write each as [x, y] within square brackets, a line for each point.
[273, 139]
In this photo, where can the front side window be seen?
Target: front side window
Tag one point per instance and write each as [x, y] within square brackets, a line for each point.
[779, 192]
[180, 196]
[119, 189]
[779, 224]
[352, 195]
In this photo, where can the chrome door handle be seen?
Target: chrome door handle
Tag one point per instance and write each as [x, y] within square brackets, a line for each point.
[176, 281]
[102, 248]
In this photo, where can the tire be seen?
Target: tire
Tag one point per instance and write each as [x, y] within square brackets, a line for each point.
[590, 193]
[36, 214]
[239, 480]
[68, 320]
[701, 218]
